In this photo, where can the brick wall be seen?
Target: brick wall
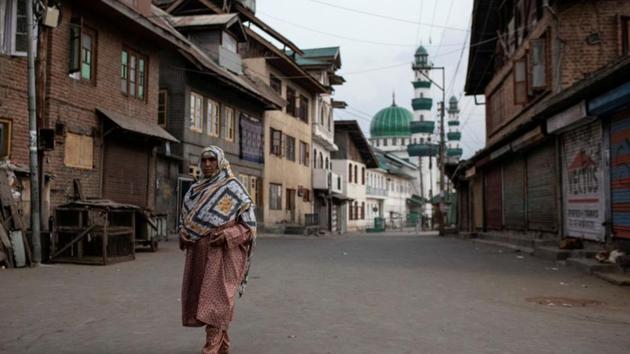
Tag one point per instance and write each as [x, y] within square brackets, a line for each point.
[74, 102]
[570, 58]
[14, 104]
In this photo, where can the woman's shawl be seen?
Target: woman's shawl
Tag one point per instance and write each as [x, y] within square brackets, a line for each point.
[213, 202]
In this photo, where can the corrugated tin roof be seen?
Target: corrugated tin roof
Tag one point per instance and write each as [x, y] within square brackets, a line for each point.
[203, 20]
[137, 125]
[198, 56]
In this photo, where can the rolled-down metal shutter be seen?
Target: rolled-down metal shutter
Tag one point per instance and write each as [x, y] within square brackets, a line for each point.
[493, 198]
[541, 189]
[620, 175]
[126, 172]
[464, 208]
[514, 194]
[477, 204]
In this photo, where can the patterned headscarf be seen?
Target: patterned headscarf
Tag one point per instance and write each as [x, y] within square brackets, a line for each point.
[217, 152]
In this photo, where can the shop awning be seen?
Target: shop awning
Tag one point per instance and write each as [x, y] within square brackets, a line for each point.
[416, 200]
[340, 196]
[137, 126]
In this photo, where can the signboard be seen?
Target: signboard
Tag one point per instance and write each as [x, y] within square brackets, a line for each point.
[566, 119]
[583, 183]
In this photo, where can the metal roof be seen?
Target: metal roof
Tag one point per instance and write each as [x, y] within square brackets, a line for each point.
[482, 46]
[138, 126]
[359, 140]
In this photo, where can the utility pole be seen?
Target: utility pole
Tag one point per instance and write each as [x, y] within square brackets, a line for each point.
[442, 156]
[32, 117]
[442, 148]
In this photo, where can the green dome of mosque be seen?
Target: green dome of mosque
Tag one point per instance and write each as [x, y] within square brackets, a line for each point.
[421, 51]
[391, 121]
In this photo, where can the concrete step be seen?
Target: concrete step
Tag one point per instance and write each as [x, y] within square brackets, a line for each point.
[521, 240]
[552, 253]
[508, 245]
[616, 278]
[590, 265]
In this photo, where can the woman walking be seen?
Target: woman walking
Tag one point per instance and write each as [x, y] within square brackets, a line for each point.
[218, 230]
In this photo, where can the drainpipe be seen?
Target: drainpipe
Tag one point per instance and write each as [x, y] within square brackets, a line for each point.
[32, 116]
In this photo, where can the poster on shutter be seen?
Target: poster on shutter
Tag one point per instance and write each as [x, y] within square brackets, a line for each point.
[582, 181]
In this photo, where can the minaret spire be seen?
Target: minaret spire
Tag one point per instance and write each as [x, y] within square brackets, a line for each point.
[393, 98]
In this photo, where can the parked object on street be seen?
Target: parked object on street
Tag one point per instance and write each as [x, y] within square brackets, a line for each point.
[150, 229]
[96, 231]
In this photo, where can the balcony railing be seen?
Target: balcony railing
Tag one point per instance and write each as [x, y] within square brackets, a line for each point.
[454, 135]
[455, 152]
[376, 191]
[427, 126]
[422, 150]
[422, 103]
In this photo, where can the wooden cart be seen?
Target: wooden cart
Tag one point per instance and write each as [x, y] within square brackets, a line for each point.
[94, 232]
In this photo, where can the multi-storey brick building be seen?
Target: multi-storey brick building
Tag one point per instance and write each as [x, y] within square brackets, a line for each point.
[98, 81]
[542, 66]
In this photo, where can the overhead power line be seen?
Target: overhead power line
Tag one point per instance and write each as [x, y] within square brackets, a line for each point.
[386, 17]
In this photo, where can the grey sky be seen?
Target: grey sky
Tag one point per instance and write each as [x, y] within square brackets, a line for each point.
[373, 71]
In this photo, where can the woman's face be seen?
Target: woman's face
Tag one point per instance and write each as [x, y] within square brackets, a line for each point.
[209, 166]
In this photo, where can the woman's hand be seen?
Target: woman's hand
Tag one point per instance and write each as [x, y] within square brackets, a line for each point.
[184, 240]
[218, 240]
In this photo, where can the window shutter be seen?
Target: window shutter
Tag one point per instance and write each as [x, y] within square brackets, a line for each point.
[520, 81]
[538, 58]
[75, 45]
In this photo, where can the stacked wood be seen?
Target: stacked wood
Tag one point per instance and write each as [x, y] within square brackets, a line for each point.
[15, 250]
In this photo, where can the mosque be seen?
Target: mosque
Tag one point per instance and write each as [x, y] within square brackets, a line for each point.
[414, 136]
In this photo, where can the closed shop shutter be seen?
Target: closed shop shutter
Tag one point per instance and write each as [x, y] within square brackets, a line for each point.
[541, 189]
[493, 196]
[126, 172]
[477, 204]
[464, 215]
[514, 194]
[620, 175]
[583, 183]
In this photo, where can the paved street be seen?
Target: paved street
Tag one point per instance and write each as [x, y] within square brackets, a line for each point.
[367, 294]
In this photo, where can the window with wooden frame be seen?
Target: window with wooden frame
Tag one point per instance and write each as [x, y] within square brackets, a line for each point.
[356, 174]
[82, 64]
[229, 122]
[13, 36]
[5, 138]
[213, 119]
[275, 143]
[362, 210]
[625, 35]
[349, 173]
[538, 62]
[275, 83]
[520, 81]
[163, 108]
[275, 196]
[291, 102]
[363, 175]
[303, 110]
[290, 147]
[290, 199]
[304, 154]
[133, 73]
[196, 112]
